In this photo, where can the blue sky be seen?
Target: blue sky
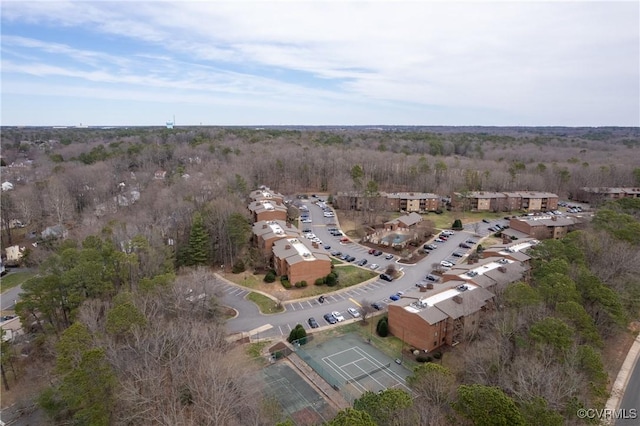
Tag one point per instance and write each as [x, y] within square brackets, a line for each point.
[504, 63]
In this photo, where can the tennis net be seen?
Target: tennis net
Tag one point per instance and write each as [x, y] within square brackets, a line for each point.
[368, 373]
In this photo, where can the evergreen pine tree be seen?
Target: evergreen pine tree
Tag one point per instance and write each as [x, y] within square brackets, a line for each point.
[198, 253]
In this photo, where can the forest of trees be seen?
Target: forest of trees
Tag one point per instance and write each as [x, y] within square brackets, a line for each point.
[114, 295]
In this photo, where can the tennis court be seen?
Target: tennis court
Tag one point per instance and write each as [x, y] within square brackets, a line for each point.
[358, 367]
[299, 401]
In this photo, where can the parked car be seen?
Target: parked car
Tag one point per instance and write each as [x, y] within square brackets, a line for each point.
[430, 247]
[471, 242]
[307, 221]
[386, 277]
[374, 266]
[377, 253]
[492, 229]
[389, 256]
[353, 312]
[338, 316]
[336, 253]
[439, 240]
[447, 232]
[394, 297]
[351, 258]
[330, 319]
[377, 306]
[446, 263]
[485, 220]
[433, 278]
[327, 247]
[464, 245]
[457, 254]
[362, 262]
[312, 322]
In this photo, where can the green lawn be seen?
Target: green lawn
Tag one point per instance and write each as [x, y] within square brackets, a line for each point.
[348, 275]
[14, 279]
[266, 305]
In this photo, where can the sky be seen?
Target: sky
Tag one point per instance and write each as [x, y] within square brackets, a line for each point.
[500, 63]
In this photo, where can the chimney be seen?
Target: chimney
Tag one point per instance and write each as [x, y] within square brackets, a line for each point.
[264, 226]
[287, 247]
[288, 224]
[502, 269]
[469, 261]
[457, 299]
[429, 286]
[278, 201]
[554, 218]
[314, 244]
[423, 289]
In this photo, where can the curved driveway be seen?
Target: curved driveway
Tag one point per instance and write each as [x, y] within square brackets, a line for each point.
[250, 320]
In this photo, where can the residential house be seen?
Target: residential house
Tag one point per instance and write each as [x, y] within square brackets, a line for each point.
[265, 233]
[55, 232]
[268, 210]
[300, 260]
[14, 254]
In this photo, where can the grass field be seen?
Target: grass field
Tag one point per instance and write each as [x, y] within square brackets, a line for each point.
[348, 275]
[265, 304]
[14, 279]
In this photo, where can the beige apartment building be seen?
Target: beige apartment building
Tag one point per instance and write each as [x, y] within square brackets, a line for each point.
[505, 201]
[265, 210]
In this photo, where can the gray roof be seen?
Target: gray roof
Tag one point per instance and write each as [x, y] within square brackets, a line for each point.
[262, 229]
[412, 195]
[472, 301]
[531, 194]
[408, 219]
[258, 207]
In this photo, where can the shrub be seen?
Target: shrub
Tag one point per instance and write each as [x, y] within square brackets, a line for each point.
[437, 355]
[457, 225]
[238, 267]
[298, 334]
[320, 281]
[383, 327]
[303, 283]
[270, 277]
[423, 358]
[286, 284]
[331, 280]
[284, 278]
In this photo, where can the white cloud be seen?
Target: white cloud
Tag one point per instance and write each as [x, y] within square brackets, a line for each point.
[498, 56]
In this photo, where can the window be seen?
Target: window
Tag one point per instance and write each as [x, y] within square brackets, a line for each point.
[435, 343]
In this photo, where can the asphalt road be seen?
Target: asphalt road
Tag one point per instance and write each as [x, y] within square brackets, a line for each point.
[376, 290]
[630, 404]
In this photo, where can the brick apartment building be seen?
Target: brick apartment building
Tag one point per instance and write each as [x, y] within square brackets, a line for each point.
[596, 195]
[428, 318]
[504, 201]
[265, 233]
[491, 273]
[542, 227]
[411, 202]
[396, 201]
[268, 210]
[264, 193]
[300, 260]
